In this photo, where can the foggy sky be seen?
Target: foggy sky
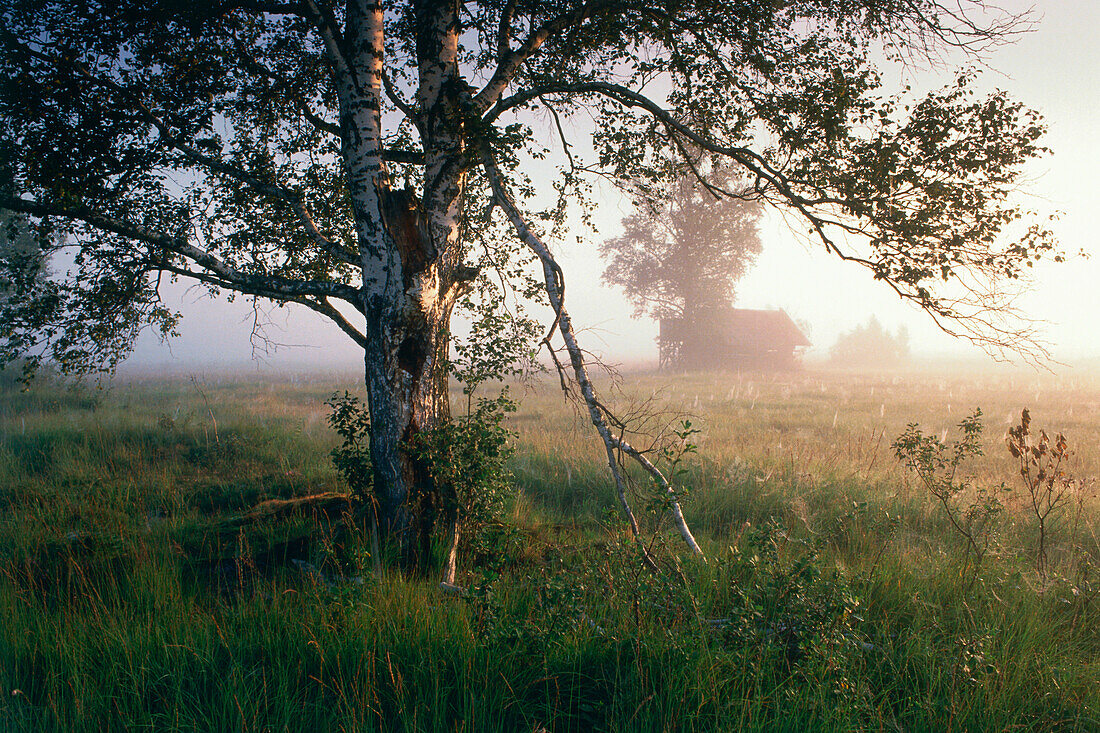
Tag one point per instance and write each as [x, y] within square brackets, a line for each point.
[1053, 69]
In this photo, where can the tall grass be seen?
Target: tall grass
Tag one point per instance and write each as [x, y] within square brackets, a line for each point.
[832, 599]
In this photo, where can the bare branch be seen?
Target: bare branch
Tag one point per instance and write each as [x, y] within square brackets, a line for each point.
[561, 133]
[326, 308]
[552, 276]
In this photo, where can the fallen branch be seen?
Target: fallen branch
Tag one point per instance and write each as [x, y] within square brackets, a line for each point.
[329, 505]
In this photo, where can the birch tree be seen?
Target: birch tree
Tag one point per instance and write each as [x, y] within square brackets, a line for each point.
[374, 161]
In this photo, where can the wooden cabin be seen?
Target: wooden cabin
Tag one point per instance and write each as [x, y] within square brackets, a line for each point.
[732, 338]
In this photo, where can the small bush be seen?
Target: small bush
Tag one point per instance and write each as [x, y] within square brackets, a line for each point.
[467, 459]
[784, 601]
[1044, 465]
[972, 510]
[351, 421]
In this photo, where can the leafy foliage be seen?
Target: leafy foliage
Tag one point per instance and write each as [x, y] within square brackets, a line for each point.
[467, 457]
[783, 601]
[499, 344]
[351, 421]
[20, 254]
[23, 265]
[674, 456]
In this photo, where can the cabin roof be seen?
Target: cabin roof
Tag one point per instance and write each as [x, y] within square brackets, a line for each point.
[744, 325]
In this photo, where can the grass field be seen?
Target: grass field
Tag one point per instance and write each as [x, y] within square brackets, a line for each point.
[835, 596]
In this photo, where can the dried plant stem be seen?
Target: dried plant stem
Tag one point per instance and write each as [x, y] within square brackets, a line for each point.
[209, 411]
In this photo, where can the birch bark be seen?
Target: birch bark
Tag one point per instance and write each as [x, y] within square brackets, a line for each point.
[410, 258]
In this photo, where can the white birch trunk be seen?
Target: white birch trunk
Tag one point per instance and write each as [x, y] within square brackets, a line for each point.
[410, 258]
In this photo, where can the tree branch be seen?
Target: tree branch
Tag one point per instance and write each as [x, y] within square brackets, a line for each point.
[215, 165]
[273, 286]
[412, 157]
[512, 61]
[320, 305]
[324, 307]
[329, 29]
[504, 31]
[399, 102]
[561, 133]
[749, 159]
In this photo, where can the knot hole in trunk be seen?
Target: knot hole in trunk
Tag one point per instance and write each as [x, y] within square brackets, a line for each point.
[411, 355]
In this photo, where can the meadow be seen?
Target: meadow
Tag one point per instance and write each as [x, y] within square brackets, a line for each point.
[137, 592]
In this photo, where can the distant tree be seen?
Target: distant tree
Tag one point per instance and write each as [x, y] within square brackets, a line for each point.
[21, 257]
[871, 344]
[683, 256]
[22, 266]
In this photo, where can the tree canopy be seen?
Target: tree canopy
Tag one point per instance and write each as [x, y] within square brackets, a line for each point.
[871, 344]
[382, 163]
[685, 255]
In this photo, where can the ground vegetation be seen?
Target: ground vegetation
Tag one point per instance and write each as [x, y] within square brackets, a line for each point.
[135, 591]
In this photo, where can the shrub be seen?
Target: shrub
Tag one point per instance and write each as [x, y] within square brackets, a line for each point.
[351, 421]
[1043, 464]
[466, 458]
[971, 509]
